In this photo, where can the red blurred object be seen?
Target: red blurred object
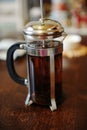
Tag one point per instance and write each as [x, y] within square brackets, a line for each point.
[81, 18]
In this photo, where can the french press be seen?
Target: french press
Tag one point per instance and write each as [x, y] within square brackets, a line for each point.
[44, 62]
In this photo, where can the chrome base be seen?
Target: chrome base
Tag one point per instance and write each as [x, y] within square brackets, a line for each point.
[53, 106]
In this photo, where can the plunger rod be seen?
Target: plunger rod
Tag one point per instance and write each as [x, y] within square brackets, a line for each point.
[41, 6]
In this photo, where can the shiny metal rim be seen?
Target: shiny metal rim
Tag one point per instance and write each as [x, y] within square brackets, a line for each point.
[45, 51]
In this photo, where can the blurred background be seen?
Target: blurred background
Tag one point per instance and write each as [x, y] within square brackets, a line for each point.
[14, 14]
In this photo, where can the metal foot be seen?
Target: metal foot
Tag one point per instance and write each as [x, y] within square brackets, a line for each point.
[28, 102]
[53, 105]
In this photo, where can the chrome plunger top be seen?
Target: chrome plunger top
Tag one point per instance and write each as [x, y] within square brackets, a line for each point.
[47, 29]
[43, 29]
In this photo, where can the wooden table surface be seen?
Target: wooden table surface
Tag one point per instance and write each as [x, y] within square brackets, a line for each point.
[70, 115]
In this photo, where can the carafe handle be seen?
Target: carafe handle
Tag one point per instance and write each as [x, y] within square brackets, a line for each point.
[10, 64]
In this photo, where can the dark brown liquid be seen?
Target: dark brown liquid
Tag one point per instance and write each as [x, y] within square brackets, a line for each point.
[40, 79]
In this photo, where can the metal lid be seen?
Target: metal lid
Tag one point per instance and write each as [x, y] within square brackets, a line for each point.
[43, 29]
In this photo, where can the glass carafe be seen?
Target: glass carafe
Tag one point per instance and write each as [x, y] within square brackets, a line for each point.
[44, 62]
